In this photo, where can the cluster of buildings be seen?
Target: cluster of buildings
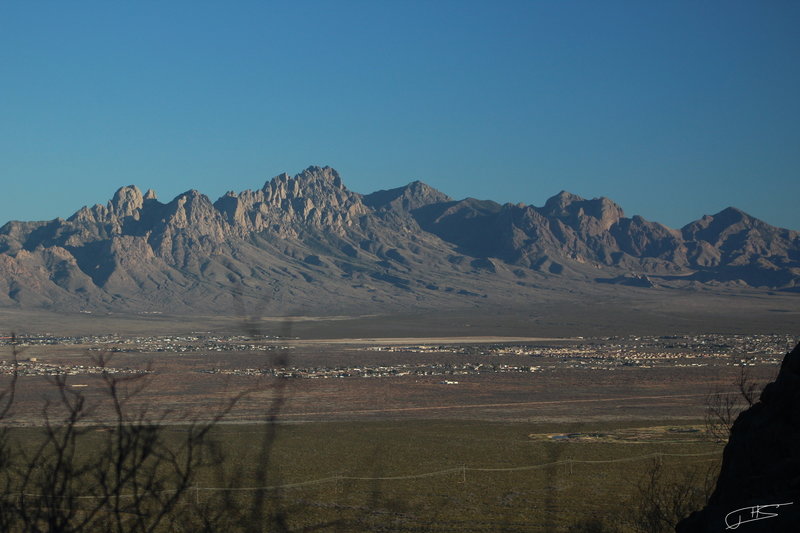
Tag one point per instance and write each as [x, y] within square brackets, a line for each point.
[609, 353]
[33, 367]
[200, 343]
[151, 344]
[362, 371]
[601, 353]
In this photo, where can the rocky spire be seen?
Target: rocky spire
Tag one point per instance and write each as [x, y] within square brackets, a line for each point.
[127, 201]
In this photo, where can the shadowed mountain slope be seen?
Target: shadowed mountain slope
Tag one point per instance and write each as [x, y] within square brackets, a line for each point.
[310, 244]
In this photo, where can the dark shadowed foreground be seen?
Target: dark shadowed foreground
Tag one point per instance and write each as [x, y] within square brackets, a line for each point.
[759, 485]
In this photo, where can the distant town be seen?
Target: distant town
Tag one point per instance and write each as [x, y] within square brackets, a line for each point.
[456, 359]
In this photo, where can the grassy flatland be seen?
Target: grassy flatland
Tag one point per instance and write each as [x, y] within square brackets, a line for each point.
[435, 475]
[484, 475]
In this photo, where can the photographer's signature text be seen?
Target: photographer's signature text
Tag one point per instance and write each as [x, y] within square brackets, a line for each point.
[736, 518]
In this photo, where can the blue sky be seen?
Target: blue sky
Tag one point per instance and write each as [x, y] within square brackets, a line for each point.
[672, 109]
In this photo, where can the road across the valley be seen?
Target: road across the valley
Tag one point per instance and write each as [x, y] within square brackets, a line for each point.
[490, 405]
[422, 341]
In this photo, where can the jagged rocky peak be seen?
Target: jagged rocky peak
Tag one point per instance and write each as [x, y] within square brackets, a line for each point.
[607, 211]
[283, 177]
[321, 174]
[150, 195]
[126, 201]
[730, 221]
[312, 182]
[726, 217]
[192, 197]
[193, 202]
[732, 214]
[420, 194]
[315, 195]
[412, 196]
[560, 201]
[310, 177]
[420, 187]
[193, 211]
[572, 208]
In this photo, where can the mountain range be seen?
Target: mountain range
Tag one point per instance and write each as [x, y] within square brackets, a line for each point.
[308, 244]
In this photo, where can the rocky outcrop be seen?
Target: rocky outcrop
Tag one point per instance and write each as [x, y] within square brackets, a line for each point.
[591, 217]
[758, 489]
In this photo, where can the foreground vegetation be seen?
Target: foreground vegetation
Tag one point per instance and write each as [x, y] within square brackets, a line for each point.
[494, 476]
[354, 476]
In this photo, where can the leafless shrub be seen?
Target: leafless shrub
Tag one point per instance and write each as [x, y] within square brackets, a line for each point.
[724, 406]
[6, 403]
[664, 497]
[124, 475]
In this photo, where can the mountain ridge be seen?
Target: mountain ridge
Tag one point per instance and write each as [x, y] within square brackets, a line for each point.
[309, 242]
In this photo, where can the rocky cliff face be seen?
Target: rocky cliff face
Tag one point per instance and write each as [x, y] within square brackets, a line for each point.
[309, 241]
[758, 489]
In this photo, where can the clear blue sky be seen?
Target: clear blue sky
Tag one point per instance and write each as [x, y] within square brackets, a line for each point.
[672, 109]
